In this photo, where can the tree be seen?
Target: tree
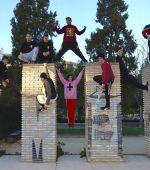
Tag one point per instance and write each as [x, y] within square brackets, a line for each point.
[31, 16]
[112, 16]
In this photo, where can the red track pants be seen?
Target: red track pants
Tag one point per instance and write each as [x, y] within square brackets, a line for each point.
[71, 105]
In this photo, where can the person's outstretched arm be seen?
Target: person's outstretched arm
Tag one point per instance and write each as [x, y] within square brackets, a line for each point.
[46, 70]
[80, 32]
[61, 77]
[77, 80]
[60, 31]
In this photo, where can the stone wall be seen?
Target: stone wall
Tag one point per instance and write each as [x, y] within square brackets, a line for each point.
[103, 128]
[38, 128]
[146, 109]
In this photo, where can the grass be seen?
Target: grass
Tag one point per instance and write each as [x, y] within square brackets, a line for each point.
[133, 131]
[126, 131]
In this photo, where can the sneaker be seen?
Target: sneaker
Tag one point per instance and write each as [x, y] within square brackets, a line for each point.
[40, 109]
[105, 108]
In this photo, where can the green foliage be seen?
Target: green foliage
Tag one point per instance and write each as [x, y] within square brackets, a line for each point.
[60, 152]
[83, 153]
[112, 16]
[10, 103]
[133, 131]
[2, 152]
[33, 16]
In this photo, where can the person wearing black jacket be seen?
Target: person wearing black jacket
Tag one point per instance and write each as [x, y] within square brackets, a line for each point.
[46, 51]
[29, 50]
[127, 78]
[3, 72]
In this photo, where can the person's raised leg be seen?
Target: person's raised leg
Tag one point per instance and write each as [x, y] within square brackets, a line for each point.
[132, 80]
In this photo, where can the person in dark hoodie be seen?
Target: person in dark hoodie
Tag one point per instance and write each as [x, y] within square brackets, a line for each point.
[46, 51]
[127, 78]
[69, 41]
[29, 50]
[106, 79]
[146, 35]
[3, 72]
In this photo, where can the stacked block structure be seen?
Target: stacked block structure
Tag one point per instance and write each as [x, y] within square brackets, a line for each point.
[38, 128]
[103, 128]
[146, 109]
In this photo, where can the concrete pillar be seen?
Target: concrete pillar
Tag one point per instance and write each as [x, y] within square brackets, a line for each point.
[38, 128]
[103, 128]
[146, 109]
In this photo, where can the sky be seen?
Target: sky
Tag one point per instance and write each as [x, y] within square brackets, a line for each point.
[83, 13]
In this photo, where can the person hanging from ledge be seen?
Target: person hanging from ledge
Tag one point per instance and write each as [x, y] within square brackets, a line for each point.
[70, 94]
[69, 40]
[48, 90]
[29, 50]
[46, 51]
[146, 35]
[106, 79]
[4, 81]
[127, 78]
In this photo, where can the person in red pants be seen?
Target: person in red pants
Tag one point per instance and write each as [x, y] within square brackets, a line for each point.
[70, 94]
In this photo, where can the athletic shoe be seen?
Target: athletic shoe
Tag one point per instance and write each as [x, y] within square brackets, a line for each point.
[105, 108]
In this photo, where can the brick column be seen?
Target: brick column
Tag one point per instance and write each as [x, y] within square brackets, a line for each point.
[146, 109]
[103, 128]
[38, 128]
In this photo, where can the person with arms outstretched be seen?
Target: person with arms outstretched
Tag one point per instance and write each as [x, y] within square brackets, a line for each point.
[70, 94]
[69, 40]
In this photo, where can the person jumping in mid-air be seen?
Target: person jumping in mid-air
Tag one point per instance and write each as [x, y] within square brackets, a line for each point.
[146, 34]
[69, 41]
[70, 94]
[127, 78]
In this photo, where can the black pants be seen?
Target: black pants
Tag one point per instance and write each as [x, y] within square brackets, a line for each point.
[70, 46]
[149, 48]
[48, 59]
[130, 79]
[98, 79]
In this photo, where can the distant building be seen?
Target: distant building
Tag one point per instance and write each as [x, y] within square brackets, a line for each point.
[1, 53]
[70, 63]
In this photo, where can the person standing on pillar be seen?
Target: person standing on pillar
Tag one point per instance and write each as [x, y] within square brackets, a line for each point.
[70, 94]
[46, 51]
[146, 35]
[127, 78]
[29, 50]
[106, 79]
[69, 41]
